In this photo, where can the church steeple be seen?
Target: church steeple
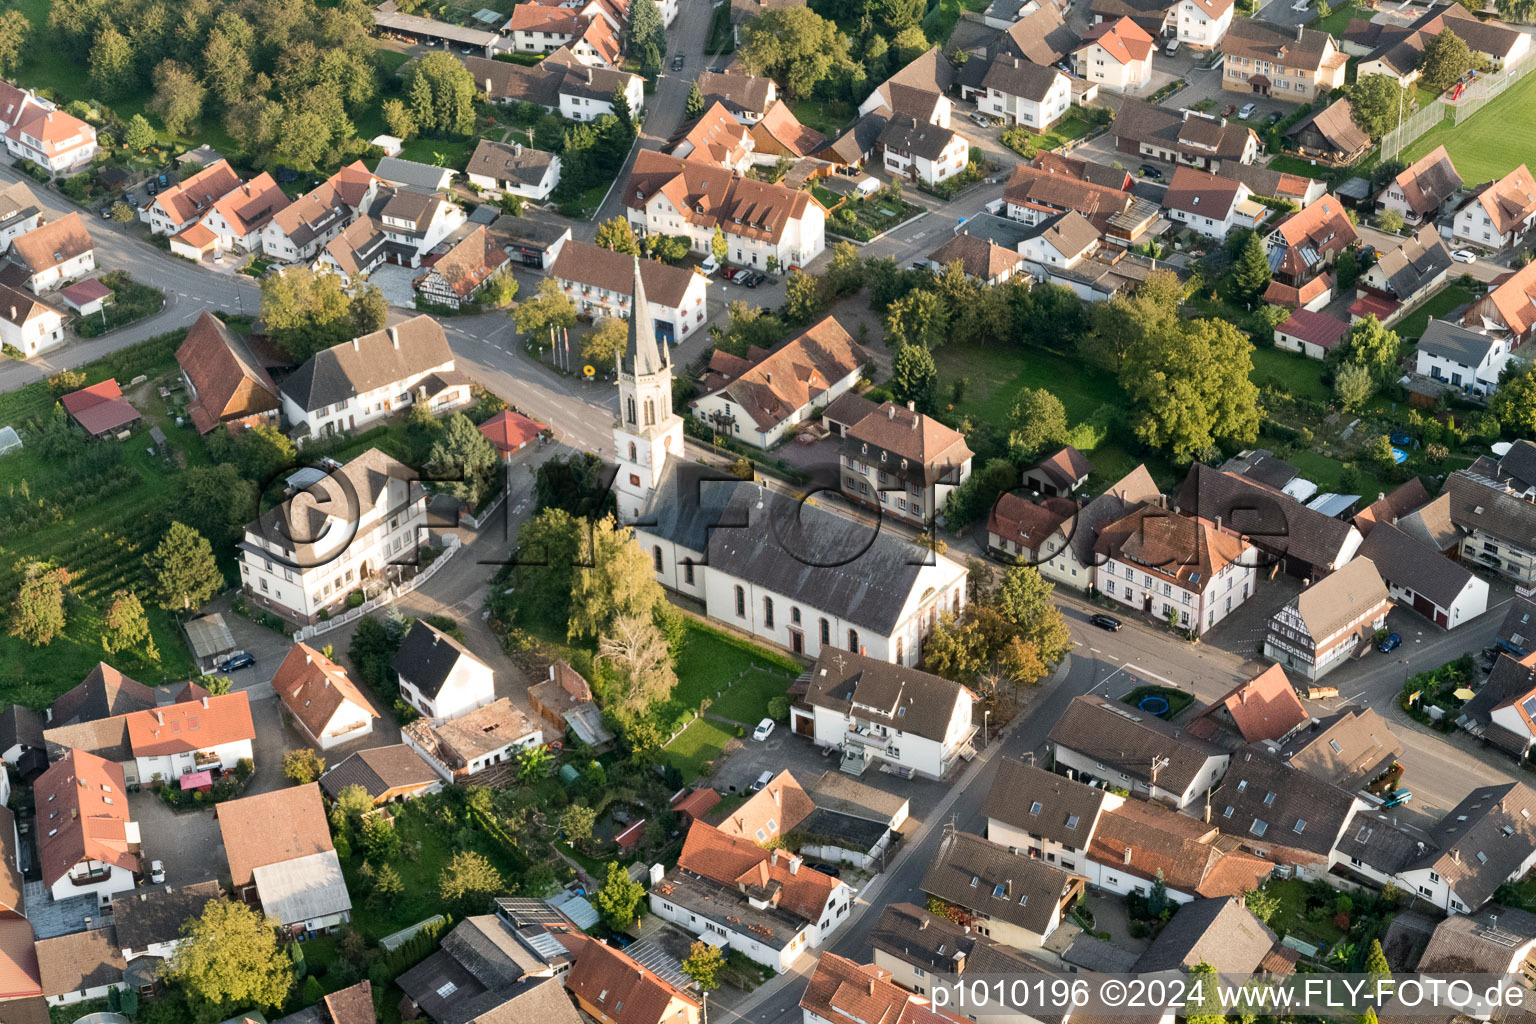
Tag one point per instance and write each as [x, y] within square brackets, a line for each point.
[640, 353]
[646, 431]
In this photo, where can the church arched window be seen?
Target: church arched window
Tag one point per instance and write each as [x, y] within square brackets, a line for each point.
[630, 408]
[632, 452]
[650, 412]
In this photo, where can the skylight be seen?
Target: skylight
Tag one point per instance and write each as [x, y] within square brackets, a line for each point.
[1035, 807]
[1259, 827]
[999, 891]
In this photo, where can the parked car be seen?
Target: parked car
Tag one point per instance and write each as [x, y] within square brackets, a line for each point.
[1464, 256]
[156, 873]
[762, 780]
[236, 661]
[677, 63]
[981, 119]
[106, 212]
[131, 200]
[1150, 171]
[828, 869]
[1246, 112]
[750, 278]
[709, 266]
[1397, 798]
[1172, 47]
[1274, 119]
[764, 730]
[162, 181]
[1229, 110]
[730, 273]
[151, 188]
[1391, 644]
[1108, 622]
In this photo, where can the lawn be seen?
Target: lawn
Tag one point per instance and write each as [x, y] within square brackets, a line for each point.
[699, 743]
[1176, 700]
[863, 219]
[747, 700]
[1297, 165]
[711, 660]
[1442, 302]
[829, 117]
[1494, 141]
[1292, 916]
[1327, 473]
[1303, 377]
[1337, 21]
[1073, 125]
[130, 302]
[997, 373]
[439, 152]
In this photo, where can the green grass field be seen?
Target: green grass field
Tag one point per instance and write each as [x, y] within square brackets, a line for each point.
[709, 660]
[829, 117]
[1337, 21]
[1493, 142]
[997, 373]
[1412, 326]
[1303, 376]
[700, 742]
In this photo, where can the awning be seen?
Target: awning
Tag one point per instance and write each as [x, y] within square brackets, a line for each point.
[196, 780]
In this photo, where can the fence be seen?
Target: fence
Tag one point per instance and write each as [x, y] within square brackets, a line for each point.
[1415, 124]
[1490, 87]
[389, 596]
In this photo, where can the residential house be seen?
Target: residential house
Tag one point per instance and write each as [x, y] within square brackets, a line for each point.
[149, 921]
[86, 843]
[1268, 183]
[55, 254]
[387, 774]
[1059, 475]
[1037, 32]
[1517, 635]
[1492, 508]
[780, 135]
[1045, 815]
[350, 385]
[1302, 248]
[1509, 305]
[20, 211]
[1388, 508]
[225, 381]
[463, 271]
[535, 28]
[1024, 93]
[238, 219]
[1186, 570]
[1330, 621]
[81, 965]
[1202, 23]
[1116, 55]
[438, 676]
[922, 151]
[982, 259]
[716, 138]
[1264, 708]
[485, 971]
[1347, 749]
[351, 1005]
[1036, 194]
[100, 409]
[299, 232]
[326, 704]
[1499, 212]
[1465, 358]
[843, 991]
[1211, 206]
[1151, 15]
[1140, 842]
[191, 736]
[1183, 137]
[605, 980]
[1221, 932]
[1265, 59]
[747, 97]
[356, 252]
[1014, 898]
[460, 748]
[1029, 532]
[1500, 713]
[184, 204]
[413, 175]
[762, 399]
[29, 324]
[499, 168]
[765, 904]
[921, 87]
[1421, 191]
[1306, 543]
[1494, 940]
[875, 711]
[374, 516]
[57, 142]
[1105, 740]
[560, 83]
[1073, 562]
[21, 999]
[281, 860]
[903, 462]
[413, 223]
[601, 283]
[1422, 578]
[564, 703]
[23, 748]
[1312, 334]
[916, 947]
[1330, 135]
[533, 240]
[1280, 812]
[1055, 246]
[1408, 274]
[1481, 843]
[1397, 50]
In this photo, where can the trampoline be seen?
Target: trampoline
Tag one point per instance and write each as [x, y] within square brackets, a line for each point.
[1153, 704]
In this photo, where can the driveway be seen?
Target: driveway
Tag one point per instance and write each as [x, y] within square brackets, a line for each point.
[395, 282]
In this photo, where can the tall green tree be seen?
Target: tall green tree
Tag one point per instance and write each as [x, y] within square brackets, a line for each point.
[616, 234]
[231, 962]
[226, 67]
[1353, 386]
[126, 627]
[915, 378]
[305, 310]
[111, 64]
[917, 318]
[1023, 599]
[15, 30]
[217, 501]
[37, 610]
[717, 246]
[1514, 404]
[1446, 59]
[178, 99]
[603, 344]
[370, 310]
[1250, 274]
[139, 135]
[794, 46]
[619, 898]
[694, 108]
[703, 965]
[398, 118]
[464, 460]
[1036, 422]
[645, 27]
[1520, 11]
[1188, 388]
[183, 569]
[1378, 102]
[441, 94]
[1371, 345]
[261, 452]
[802, 298]
[468, 882]
[549, 308]
[612, 579]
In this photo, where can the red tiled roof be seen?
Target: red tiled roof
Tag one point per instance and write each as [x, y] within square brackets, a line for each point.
[249, 207]
[1372, 305]
[698, 803]
[1429, 180]
[509, 430]
[709, 196]
[20, 976]
[56, 242]
[782, 802]
[623, 990]
[1265, 707]
[797, 374]
[314, 688]
[1513, 297]
[1014, 518]
[192, 725]
[1123, 40]
[52, 128]
[82, 815]
[229, 381]
[1287, 295]
[272, 828]
[100, 407]
[710, 853]
[196, 196]
[1316, 328]
[780, 124]
[716, 138]
[88, 290]
[1510, 201]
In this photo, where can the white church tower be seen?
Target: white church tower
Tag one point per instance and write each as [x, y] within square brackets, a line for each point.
[647, 431]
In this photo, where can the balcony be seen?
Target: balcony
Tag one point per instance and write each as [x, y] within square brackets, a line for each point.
[867, 737]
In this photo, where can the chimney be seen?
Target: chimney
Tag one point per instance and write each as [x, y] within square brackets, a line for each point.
[1298, 33]
[308, 658]
[1127, 855]
[911, 407]
[394, 338]
[1218, 524]
[769, 375]
[13, 314]
[871, 985]
[205, 701]
[960, 960]
[773, 857]
[1010, 888]
[487, 83]
[778, 797]
[517, 149]
[354, 344]
[923, 925]
[890, 413]
[794, 865]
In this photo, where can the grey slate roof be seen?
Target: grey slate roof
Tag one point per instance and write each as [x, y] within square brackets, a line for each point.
[1126, 741]
[1263, 800]
[1347, 749]
[347, 370]
[1018, 77]
[1519, 626]
[410, 173]
[904, 698]
[1013, 887]
[913, 135]
[1483, 840]
[1275, 523]
[20, 726]
[1508, 681]
[153, 915]
[1452, 341]
[1416, 262]
[1478, 506]
[1378, 840]
[428, 656]
[1044, 803]
[1220, 932]
[1415, 565]
[1480, 943]
[378, 770]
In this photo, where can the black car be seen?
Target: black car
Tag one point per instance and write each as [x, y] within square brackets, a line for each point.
[1274, 119]
[751, 279]
[151, 188]
[828, 869]
[677, 63]
[1149, 171]
[1108, 622]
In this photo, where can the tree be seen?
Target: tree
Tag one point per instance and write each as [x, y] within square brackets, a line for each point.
[578, 484]
[468, 881]
[845, 272]
[619, 101]
[795, 47]
[14, 30]
[303, 766]
[1379, 450]
[1122, 321]
[380, 838]
[217, 501]
[550, 308]
[1037, 421]
[1262, 904]
[616, 234]
[1370, 345]
[398, 118]
[387, 885]
[1188, 388]
[1023, 599]
[139, 135]
[1324, 9]
[669, 249]
[1204, 1006]
[226, 67]
[695, 107]
[370, 310]
[1516, 10]
[1250, 274]
[605, 342]
[465, 462]
[578, 821]
[111, 64]
[1446, 59]
[717, 245]
[37, 611]
[183, 568]
[501, 289]
[802, 298]
[915, 378]
[126, 627]
[547, 549]
[612, 579]
[1353, 386]
[703, 965]
[645, 27]
[230, 962]
[261, 452]
[1390, 221]
[917, 318]
[217, 686]
[352, 804]
[441, 94]
[123, 213]
[637, 646]
[306, 311]
[909, 44]
[178, 99]
[957, 649]
[619, 898]
[1514, 404]
[1378, 102]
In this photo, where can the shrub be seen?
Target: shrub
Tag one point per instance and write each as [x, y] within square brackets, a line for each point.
[355, 599]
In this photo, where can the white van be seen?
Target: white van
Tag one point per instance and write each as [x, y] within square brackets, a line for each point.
[710, 266]
[1172, 47]
[867, 187]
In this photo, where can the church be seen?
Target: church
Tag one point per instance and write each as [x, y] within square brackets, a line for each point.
[790, 572]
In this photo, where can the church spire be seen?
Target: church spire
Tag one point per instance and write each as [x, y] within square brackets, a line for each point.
[640, 353]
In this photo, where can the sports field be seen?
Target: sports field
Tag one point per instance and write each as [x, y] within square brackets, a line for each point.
[1496, 139]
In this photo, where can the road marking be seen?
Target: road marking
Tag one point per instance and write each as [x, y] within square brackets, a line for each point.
[1111, 657]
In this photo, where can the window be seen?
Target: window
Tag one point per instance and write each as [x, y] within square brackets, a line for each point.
[688, 570]
[1035, 807]
[853, 640]
[632, 452]
[1301, 824]
[656, 557]
[768, 612]
[794, 616]
[741, 602]
[826, 631]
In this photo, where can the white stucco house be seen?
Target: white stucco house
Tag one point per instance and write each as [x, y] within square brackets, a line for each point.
[205, 735]
[87, 843]
[1464, 358]
[438, 675]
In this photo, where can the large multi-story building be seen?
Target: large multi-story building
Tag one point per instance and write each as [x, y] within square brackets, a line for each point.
[903, 462]
[1329, 621]
[1186, 571]
[1264, 59]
